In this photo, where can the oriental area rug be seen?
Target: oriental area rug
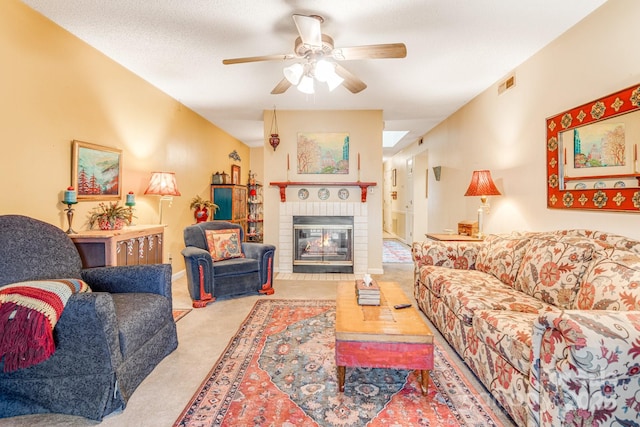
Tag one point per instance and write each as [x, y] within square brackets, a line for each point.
[394, 251]
[279, 370]
[179, 313]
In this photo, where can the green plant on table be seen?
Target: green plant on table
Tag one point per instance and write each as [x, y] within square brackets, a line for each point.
[111, 213]
[200, 203]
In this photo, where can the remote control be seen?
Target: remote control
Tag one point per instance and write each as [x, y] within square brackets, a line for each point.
[401, 306]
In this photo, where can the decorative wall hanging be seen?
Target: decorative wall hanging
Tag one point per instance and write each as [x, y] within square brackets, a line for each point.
[96, 171]
[235, 156]
[274, 141]
[323, 153]
[592, 154]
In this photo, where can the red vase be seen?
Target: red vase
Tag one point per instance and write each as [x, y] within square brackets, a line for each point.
[201, 215]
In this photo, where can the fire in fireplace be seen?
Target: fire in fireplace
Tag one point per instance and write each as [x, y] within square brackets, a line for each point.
[323, 244]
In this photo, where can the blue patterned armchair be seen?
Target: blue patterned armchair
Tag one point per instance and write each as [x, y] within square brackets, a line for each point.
[106, 340]
[243, 267]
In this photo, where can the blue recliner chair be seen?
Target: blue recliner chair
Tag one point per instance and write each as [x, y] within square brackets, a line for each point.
[208, 279]
[106, 341]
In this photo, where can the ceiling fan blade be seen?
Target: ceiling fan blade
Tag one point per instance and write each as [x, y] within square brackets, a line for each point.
[282, 57]
[351, 82]
[281, 87]
[309, 29]
[374, 51]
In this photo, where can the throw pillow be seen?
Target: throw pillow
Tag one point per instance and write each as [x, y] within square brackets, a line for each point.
[224, 244]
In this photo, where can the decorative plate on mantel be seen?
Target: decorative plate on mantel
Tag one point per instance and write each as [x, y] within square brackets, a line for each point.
[323, 193]
[343, 194]
[303, 193]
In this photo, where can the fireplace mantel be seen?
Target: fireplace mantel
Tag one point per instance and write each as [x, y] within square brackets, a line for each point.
[363, 187]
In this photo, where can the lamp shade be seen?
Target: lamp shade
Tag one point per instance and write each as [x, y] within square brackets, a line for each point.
[293, 73]
[482, 185]
[163, 184]
[306, 85]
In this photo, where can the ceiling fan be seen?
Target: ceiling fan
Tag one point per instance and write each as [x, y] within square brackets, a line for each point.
[316, 57]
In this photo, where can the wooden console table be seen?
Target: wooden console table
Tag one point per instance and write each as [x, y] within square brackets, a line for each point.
[138, 244]
[363, 187]
[453, 238]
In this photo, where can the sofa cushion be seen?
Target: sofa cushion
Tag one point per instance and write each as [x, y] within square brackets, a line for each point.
[235, 267]
[436, 278]
[464, 292]
[552, 270]
[501, 256]
[224, 244]
[611, 283]
[508, 333]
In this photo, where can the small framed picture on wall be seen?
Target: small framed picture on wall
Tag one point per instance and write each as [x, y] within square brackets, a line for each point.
[235, 174]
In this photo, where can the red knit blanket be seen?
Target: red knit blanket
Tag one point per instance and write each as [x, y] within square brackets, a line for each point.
[28, 313]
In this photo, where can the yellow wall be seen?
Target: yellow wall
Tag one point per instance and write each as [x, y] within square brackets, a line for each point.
[56, 88]
[365, 137]
[506, 132]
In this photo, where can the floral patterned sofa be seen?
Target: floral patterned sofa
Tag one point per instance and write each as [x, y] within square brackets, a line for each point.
[548, 321]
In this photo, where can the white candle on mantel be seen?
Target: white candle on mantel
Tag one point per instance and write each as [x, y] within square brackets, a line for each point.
[358, 161]
[288, 162]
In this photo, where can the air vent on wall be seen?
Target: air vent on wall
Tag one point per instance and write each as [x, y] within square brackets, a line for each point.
[507, 84]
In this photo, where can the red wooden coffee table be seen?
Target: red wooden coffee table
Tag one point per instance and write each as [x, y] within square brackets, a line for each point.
[381, 336]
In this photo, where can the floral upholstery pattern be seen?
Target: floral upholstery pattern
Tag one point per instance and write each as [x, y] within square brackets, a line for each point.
[551, 270]
[586, 369]
[556, 340]
[451, 255]
[611, 283]
[501, 256]
[508, 333]
[464, 297]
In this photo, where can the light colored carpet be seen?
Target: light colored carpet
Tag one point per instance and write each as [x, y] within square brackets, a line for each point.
[203, 335]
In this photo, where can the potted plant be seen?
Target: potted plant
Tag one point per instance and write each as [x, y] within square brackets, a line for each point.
[109, 216]
[201, 208]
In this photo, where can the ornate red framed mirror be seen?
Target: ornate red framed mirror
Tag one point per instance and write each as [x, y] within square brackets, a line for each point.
[592, 154]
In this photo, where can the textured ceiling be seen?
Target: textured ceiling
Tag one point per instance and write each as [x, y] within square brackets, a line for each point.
[455, 50]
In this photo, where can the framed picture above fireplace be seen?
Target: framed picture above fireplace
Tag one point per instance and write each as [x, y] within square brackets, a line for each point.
[323, 153]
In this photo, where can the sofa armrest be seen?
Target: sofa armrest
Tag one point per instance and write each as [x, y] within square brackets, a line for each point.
[585, 368]
[199, 269]
[264, 253]
[87, 352]
[459, 255]
[152, 278]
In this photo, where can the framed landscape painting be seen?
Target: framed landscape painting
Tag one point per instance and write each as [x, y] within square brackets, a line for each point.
[323, 153]
[96, 171]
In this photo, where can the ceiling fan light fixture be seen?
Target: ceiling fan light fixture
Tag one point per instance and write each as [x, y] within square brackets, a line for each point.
[334, 81]
[324, 69]
[293, 73]
[306, 85]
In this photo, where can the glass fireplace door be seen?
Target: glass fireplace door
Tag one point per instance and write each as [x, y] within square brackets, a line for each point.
[323, 248]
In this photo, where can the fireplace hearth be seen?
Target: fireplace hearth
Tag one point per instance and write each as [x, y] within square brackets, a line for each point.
[323, 244]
